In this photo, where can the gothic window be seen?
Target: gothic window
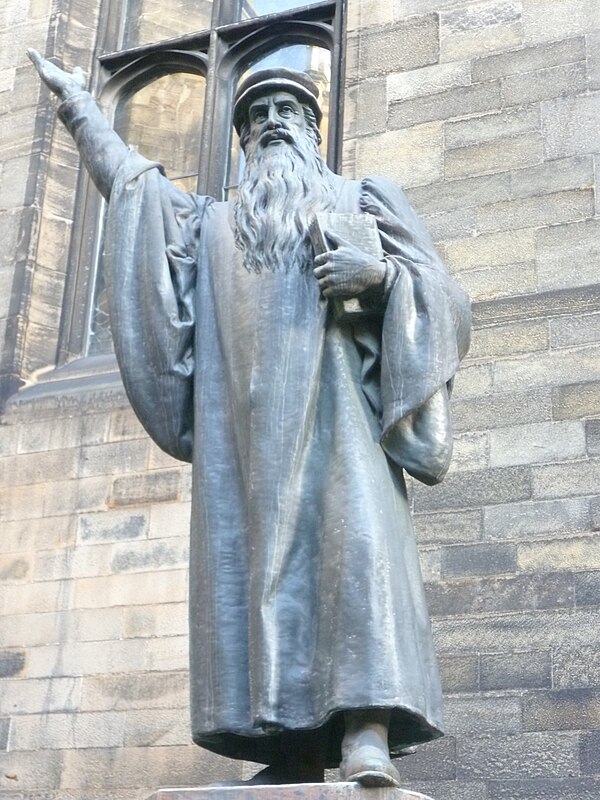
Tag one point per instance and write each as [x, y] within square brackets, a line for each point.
[167, 76]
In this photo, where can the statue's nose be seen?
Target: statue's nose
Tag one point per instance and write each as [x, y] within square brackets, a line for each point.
[272, 117]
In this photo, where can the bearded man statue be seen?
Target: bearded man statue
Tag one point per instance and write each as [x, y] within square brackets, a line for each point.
[309, 636]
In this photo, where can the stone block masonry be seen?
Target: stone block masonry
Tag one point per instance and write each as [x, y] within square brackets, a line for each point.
[509, 539]
[488, 113]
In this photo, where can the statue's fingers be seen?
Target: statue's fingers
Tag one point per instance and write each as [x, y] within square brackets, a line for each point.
[324, 258]
[326, 272]
[34, 57]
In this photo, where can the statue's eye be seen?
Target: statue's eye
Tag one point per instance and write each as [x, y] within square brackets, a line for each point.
[286, 111]
[260, 116]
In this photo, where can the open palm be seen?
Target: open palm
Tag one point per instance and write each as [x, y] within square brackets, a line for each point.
[62, 83]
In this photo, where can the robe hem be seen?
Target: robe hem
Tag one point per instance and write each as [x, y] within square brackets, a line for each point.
[407, 727]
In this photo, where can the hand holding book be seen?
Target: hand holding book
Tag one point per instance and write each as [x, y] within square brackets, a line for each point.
[349, 259]
[346, 271]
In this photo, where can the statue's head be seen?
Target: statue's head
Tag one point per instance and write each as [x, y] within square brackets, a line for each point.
[274, 105]
[285, 180]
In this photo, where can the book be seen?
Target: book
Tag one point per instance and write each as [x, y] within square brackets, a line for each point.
[359, 230]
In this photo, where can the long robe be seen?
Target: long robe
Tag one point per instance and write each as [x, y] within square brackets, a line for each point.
[306, 598]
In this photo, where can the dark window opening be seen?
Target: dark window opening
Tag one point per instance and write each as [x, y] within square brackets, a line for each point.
[169, 93]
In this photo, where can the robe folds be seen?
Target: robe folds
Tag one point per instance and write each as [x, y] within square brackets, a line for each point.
[306, 597]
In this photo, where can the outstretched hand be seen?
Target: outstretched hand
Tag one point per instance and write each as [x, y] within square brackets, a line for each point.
[62, 83]
[347, 271]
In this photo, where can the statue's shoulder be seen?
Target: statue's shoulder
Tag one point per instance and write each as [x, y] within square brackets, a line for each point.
[369, 194]
[379, 191]
[379, 184]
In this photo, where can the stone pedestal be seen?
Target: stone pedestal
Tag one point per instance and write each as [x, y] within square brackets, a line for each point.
[296, 791]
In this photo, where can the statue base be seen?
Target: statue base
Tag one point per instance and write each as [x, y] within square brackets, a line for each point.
[295, 791]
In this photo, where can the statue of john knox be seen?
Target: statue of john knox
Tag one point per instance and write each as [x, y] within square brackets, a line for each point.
[310, 640]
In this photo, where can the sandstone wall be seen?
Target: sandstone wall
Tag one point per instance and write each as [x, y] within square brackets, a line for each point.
[489, 113]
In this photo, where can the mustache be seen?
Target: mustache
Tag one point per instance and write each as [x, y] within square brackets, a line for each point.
[276, 133]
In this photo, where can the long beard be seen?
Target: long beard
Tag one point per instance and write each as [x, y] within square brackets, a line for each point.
[282, 187]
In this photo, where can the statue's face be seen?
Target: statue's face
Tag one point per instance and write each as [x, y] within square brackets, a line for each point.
[276, 119]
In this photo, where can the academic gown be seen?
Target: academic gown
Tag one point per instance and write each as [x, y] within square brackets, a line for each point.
[306, 597]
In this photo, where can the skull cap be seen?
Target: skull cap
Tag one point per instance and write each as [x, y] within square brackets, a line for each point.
[264, 81]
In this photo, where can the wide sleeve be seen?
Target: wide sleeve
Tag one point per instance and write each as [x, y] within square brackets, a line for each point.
[426, 332]
[101, 149]
[152, 232]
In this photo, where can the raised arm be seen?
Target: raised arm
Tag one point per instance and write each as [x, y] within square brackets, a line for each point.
[101, 149]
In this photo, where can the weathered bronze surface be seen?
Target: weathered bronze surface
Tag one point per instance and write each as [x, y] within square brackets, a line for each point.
[310, 639]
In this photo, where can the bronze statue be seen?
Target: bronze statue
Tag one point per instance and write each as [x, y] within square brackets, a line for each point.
[310, 640]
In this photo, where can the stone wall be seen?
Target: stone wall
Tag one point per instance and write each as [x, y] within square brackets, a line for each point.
[489, 114]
